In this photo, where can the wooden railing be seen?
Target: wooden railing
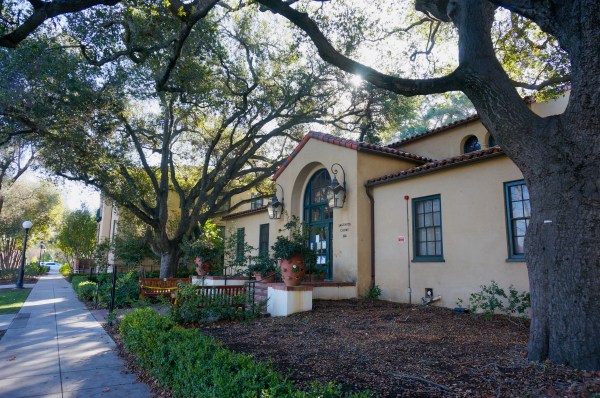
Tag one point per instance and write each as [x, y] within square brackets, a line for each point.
[225, 295]
[160, 287]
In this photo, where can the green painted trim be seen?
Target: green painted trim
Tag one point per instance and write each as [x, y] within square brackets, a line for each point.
[516, 260]
[328, 224]
[508, 218]
[439, 258]
[429, 259]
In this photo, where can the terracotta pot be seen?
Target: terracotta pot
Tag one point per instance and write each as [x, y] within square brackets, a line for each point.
[202, 267]
[292, 270]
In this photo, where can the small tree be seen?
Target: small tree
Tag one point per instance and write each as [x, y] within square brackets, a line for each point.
[77, 235]
[36, 202]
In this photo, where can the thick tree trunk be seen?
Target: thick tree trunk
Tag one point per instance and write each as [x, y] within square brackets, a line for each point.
[169, 259]
[563, 255]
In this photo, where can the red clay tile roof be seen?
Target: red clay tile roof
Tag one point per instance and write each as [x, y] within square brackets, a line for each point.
[245, 213]
[427, 133]
[357, 146]
[437, 165]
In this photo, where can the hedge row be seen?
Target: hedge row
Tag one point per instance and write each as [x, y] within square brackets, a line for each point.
[191, 364]
[127, 288]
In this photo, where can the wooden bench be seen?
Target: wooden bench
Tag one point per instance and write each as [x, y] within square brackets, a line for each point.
[160, 287]
[224, 295]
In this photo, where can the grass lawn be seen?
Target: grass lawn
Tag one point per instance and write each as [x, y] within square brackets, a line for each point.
[11, 300]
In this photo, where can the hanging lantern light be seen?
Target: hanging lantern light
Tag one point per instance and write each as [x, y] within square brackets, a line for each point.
[336, 192]
[275, 207]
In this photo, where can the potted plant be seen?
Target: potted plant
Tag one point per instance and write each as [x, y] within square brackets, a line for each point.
[263, 268]
[204, 248]
[293, 252]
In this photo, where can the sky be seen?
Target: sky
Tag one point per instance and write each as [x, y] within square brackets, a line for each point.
[76, 194]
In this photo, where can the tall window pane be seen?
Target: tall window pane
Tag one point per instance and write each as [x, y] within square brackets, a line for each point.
[427, 219]
[518, 212]
[263, 239]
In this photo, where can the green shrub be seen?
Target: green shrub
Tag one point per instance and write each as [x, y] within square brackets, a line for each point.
[492, 299]
[86, 291]
[34, 269]
[192, 307]
[65, 269]
[372, 294]
[84, 287]
[518, 302]
[191, 364]
[77, 279]
[127, 289]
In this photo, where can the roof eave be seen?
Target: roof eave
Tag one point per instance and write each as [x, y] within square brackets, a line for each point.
[434, 169]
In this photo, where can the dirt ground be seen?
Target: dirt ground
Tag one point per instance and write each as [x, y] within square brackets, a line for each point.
[396, 350]
[13, 281]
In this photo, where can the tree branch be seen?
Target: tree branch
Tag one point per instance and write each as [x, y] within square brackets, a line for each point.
[406, 87]
[43, 11]
[539, 86]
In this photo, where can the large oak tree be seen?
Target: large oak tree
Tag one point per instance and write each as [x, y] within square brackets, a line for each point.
[558, 155]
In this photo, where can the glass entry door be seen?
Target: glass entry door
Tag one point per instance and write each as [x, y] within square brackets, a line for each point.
[319, 217]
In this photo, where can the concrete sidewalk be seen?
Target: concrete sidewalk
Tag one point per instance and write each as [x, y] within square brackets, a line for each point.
[55, 348]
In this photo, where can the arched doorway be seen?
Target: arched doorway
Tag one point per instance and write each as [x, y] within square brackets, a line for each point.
[319, 218]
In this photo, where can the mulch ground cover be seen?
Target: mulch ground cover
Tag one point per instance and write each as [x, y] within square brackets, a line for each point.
[397, 350]
[13, 281]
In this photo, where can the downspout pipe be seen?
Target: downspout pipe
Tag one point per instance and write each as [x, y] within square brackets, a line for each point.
[369, 191]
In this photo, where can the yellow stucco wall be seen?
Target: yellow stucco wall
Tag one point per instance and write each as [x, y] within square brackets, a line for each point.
[351, 250]
[314, 156]
[251, 224]
[450, 143]
[369, 166]
[473, 233]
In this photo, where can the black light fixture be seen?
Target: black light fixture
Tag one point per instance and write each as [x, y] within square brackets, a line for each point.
[275, 207]
[42, 247]
[26, 226]
[337, 192]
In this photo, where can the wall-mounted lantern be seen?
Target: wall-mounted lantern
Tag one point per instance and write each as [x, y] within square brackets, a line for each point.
[336, 193]
[275, 207]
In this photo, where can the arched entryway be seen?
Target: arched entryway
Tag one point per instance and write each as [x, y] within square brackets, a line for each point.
[319, 217]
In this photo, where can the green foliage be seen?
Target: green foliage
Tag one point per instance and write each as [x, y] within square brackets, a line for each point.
[193, 365]
[295, 244]
[518, 302]
[263, 264]
[84, 288]
[65, 269]
[36, 202]
[235, 250]
[372, 294]
[127, 289]
[77, 235]
[34, 269]
[86, 291]
[207, 246]
[131, 243]
[492, 299]
[192, 307]
[140, 329]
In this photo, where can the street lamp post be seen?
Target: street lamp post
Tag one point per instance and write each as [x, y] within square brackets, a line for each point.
[26, 226]
[41, 251]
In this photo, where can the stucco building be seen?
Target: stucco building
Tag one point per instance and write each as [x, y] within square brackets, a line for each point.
[445, 210]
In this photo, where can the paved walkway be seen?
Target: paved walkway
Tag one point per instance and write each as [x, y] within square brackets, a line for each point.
[55, 348]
